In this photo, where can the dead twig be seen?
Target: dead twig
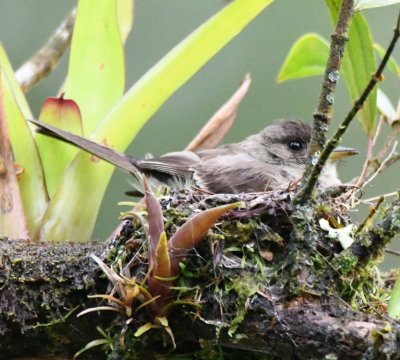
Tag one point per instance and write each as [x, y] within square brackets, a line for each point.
[47, 58]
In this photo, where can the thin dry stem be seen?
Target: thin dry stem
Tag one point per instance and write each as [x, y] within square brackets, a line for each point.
[47, 58]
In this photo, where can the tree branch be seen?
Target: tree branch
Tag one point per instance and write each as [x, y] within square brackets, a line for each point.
[311, 181]
[47, 58]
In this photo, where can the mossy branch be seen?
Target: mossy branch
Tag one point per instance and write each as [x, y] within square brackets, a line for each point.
[323, 113]
[372, 242]
[243, 267]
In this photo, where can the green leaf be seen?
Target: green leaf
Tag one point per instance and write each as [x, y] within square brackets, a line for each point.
[358, 64]
[12, 217]
[394, 303]
[369, 4]
[125, 17]
[55, 154]
[162, 268]
[31, 180]
[386, 107]
[307, 57]
[87, 180]
[96, 74]
[392, 64]
[16, 88]
[91, 345]
[144, 328]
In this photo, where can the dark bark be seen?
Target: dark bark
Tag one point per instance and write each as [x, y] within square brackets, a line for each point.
[42, 283]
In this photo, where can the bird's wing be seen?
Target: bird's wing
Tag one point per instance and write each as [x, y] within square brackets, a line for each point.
[235, 173]
[176, 164]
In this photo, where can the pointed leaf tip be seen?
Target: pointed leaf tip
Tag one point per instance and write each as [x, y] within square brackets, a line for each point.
[194, 230]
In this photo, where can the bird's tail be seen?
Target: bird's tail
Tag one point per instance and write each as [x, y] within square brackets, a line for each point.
[104, 152]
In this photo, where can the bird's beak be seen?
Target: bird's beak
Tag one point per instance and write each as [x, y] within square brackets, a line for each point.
[341, 152]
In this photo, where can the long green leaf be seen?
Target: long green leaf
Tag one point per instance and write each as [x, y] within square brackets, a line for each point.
[125, 17]
[307, 57]
[394, 303]
[86, 179]
[358, 64]
[96, 74]
[369, 4]
[16, 88]
[31, 180]
[12, 217]
[392, 64]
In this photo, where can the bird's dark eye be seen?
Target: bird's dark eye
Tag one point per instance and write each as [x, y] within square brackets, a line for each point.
[295, 145]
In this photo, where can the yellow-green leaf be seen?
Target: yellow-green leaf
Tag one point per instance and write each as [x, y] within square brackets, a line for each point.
[369, 4]
[87, 180]
[12, 217]
[144, 328]
[31, 179]
[16, 88]
[125, 17]
[96, 74]
[394, 303]
[162, 268]
[55, 154]
[358, 64]
[392, 64]
[307, 57]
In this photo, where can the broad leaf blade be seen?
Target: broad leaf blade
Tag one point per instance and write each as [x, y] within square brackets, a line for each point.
[358, 64]
[125, 17]
[12, 217]
[55, 154]
[369, 4]
[16, 88]
[386, 107]
[394, 303]
[96, 74]
[87, 180]
[307, 57]
[30, 180]
[392, 64]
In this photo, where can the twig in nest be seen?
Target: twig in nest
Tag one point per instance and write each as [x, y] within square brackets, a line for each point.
[376, 198]
[371, 214]
[384, 164]
[393, 252]
[47, 58]
[311, 180]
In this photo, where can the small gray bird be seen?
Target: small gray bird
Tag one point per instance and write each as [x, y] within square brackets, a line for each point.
[271, 159]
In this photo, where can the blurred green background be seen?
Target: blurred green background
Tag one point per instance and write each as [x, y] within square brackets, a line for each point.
[259, 50]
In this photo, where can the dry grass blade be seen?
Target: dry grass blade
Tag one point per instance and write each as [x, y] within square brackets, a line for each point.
[217, 127]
